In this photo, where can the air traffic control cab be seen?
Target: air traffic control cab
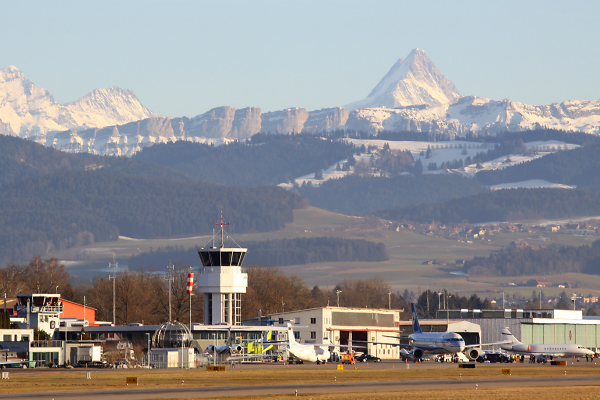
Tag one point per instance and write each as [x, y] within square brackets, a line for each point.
[222, 281]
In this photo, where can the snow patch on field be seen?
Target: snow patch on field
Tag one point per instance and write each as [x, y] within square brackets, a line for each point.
[530, 184]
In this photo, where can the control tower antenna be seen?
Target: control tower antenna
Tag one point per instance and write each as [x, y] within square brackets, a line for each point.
[222, 225]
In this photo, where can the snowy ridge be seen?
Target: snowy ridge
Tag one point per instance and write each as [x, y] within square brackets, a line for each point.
[481, 116]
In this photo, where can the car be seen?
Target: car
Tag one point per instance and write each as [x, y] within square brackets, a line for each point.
[367, 358]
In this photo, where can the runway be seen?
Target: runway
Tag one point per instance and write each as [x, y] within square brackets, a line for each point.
[257, 390]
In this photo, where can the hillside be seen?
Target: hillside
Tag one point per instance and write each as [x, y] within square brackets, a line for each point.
[354, 195]
[579, 167]
[277, 252]
[266, 160]
[63, 210]
[22, 159]
[502, 205]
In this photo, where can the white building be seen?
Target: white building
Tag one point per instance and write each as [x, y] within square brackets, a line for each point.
[346, 326]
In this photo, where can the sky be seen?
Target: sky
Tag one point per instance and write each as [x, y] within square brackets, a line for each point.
[183, 58]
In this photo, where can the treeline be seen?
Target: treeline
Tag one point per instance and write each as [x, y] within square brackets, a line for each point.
[502, 205]
[22, 159]
[266, 160]
[58, 211]
[546, 261]
[579, 167]
[358, 195]
[279, 252]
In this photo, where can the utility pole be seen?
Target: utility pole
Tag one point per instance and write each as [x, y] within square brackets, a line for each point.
[170, 279]
[338, 297]
[114, 266]
[574, 298]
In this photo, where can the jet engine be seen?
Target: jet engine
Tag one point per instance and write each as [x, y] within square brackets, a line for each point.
[415, 354]
[473, 353]
[210, 349]
[236, 348]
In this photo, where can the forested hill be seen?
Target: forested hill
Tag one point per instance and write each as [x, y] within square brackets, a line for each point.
[579, 167]
[503, 205]
[275, 252]
[362, 195]
[57, 211]
[545, 261]
[22, 159]
[266, 160]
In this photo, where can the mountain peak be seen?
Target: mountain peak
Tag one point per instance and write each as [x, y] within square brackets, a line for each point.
[10, 73]
[414, 80]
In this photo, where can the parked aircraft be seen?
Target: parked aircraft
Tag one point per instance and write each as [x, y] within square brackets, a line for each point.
[421, 343]
[314, 352]
[227, 351]
[554, 350]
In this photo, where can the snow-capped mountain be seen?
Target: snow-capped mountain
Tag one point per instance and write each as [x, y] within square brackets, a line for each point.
[410, 82]
[29, 111]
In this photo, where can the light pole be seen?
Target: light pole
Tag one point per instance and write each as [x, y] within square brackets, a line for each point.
[389, 300]
[170, 278]
[148, 361]
[56, 290]
[439, 299]
[338, 297]
[114, 266]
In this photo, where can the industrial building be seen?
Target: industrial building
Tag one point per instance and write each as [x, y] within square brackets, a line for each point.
[532, 326]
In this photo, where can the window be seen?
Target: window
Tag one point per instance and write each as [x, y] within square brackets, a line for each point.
[313, 335]
[297, 335]
[313, 321]
[280, 321]
[297, 321]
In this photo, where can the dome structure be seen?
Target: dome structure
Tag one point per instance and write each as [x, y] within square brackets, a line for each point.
[171, 335]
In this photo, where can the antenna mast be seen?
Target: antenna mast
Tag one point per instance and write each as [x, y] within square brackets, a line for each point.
[222, 226]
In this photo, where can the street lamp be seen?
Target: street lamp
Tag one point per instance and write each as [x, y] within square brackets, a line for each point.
[439, 301]
[56, 291]
[338, 297]
[389, 300]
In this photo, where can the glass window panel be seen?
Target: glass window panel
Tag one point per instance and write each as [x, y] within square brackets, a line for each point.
[205, 258]
[236, 258]
[242, 258]
[225, 258]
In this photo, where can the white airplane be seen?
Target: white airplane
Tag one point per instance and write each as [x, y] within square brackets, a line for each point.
[553, 350]
[421, 343]
[314, 352]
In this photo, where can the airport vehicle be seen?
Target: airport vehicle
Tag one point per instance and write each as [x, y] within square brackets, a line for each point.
[552, 350]
[421, 343]
[493, 357]
[367, 358]
[348, 359]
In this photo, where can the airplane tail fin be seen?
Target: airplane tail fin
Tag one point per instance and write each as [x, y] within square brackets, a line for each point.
[506, 335]
[228, 341]
[416, 326]
[291, 337]
[266, 341]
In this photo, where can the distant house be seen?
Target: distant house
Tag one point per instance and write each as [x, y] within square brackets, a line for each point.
[519, 244]
[460, 262]
[572, 226]
[552, 228]
[543, 284]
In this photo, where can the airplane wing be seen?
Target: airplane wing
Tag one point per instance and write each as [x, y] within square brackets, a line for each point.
[16, 362]
[488, 344]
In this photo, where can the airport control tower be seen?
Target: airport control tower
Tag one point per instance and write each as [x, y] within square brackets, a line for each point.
[222, 282]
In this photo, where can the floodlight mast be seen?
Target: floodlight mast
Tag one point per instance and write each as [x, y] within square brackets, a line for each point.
[114, 266]
[170, 279]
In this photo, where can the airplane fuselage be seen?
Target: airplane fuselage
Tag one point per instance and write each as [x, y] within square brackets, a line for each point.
[437, 343]
[310, 353]
[555, 350]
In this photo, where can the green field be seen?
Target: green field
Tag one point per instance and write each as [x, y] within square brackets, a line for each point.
[404, 269]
